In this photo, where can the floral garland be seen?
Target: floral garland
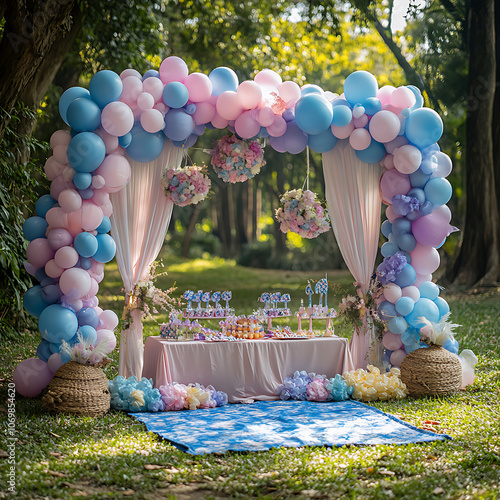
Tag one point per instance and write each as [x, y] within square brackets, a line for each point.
[303, 214]
[237, 160]
[187, 185]
[146, 297]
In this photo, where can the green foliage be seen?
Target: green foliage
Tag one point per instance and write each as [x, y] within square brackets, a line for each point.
[18, 188]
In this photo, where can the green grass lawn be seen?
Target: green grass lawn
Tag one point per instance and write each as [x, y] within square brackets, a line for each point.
[60, 456]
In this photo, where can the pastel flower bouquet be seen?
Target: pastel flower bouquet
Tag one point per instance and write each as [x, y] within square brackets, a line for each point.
[187, 185]
[237, 160]
[302, 213]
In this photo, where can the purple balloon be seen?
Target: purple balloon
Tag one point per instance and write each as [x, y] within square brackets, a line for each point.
[430, 230]
[295, 139]
[31, 376]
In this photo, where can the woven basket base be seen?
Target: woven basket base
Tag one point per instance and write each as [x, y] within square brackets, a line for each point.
[431, 371]
[78, 389]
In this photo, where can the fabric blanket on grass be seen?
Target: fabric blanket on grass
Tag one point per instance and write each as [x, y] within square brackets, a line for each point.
[267, 424]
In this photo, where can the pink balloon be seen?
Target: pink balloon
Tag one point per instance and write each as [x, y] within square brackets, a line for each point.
[98, 182]
[411, 291]
[421, 278]
[432, 229]
[53, 168]
[388, 161]
[68, 173]
[74, 223]
[52, 269]
[407, 159]
[145, 101]
[93, 302]
[392, 293]
[91, 216]
[75, 280]
[250, 94]
[219, 122]
[55, 362]
[31, 376]
[424, 259]
[173, 69]
[107, 209]
[132, 88]
[204, 113]
[392, 183]
[229, 105]
[59, 237]
[101, 197]
[390, 214]
[61, 154]
[402, 98]
[342, 132]
[110, 141]
[246, 126]
[108, 335]
[444, 211]
[162, 108]
[266, 116]
[360, 139]
[66, 257]
[268, 77]
[70, 200]
[289, 91]
[58, 185]
[153, 86]
[109, 319]
[392, 341]
[399, 141]
[96, 268]
[384, 94]
[39, 252]
[60, 138]
[117, 118]
[361, 121]
[115, 169]
[152, 121]
[278, 128]
[397, 357]
[93, 291]
[130, 72]
[384, 126]
[199, 87]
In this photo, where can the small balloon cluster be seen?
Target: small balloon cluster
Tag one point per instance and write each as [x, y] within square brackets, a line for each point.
[236, 160]
[302, 214]
[186, 186]
[372, 385]
[135, 395]
[191, 397]
[304, 386]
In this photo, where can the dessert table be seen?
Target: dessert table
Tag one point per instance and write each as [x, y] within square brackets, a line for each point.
[250, 369]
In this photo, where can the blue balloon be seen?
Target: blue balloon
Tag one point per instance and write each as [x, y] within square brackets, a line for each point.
[106, 248]
[342, 116]
[388, 249]
[404, 305]
[323, 142]
[151, 73]
[410, 337]
[424, 308]
[429, 290]
[55, 347]
[57, 323]
[188, 143]
[438, 191]
[386, 228]
[34, 227]
[372, 105]
[44, 204]
[442, 306]
[401, 225]
[83, 115]
[65, 357]
[406, 277]
[125, 140]
[82, 180]
[88, 316]
[145, 147]
[89, 334]
[412, 347]
[311, 89]
[428, 165]
[43, 351]
[104, 226]
[178, 125]
[40, 274]
[418, 194]
[313, 114]
[397, 325]
[359, 86]
[105, 87]
[33, 301]
[85, 244]
[418, 179]
[175, 95]
[85, 263]
[426, 208]
[451, 345]
[406, 242]
[50, 293]
[68, 97]
[223, 79]
[387, 310]
[419, 100]
[86, 151]
[374, 153]
[423, 127]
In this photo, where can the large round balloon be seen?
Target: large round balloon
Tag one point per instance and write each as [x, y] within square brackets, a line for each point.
[323, 142]
[223, 79]
[423, 127]
[34, 227]
[359, 86]
[105, 87]
[86, 151]
[145, 147]
[68, 97]
[83, 115]
[313, 114]
[57, 323]
[424, 308]
[31, 376]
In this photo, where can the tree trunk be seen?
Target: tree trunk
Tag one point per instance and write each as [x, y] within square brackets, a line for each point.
[496, 113]
[224, 221]
[193, 219]
[35, 40]
[241, 215]
[478, 261]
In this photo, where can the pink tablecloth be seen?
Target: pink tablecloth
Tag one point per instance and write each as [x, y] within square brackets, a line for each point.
[249, 369]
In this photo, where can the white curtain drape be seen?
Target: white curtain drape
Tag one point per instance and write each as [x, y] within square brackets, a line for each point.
[354, 203]
[140, 220]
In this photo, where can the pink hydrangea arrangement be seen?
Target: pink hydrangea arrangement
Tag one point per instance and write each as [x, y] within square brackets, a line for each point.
[191, 397]
[187, 185]
[303, 214]
[236, 160]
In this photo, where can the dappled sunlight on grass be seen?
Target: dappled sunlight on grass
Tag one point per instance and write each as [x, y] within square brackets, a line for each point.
[199, 265]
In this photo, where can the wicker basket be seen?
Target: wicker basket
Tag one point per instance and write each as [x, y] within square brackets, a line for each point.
[78, 389]
[431, 371]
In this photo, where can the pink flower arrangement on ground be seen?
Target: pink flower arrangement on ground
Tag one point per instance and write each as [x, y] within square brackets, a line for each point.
[237, 160]
[303, 214]
[191, 397]
[187, 185]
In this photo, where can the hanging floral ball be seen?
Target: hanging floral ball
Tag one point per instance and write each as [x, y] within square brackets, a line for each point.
[187, 185]
[302, 213]
[237, 160]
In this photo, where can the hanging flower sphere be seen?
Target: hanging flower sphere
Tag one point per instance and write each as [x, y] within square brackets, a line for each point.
[302, 213]
[237, 160]
[187, 185]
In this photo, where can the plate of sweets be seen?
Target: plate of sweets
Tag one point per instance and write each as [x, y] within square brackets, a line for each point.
[286, 333]
[242, 327]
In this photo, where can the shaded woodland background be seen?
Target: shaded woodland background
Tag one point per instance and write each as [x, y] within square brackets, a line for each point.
[448, 49]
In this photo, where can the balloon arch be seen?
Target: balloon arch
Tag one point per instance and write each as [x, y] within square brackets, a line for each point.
[377, 145]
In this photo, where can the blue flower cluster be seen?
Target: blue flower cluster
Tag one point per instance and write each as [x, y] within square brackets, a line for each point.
[134, 395]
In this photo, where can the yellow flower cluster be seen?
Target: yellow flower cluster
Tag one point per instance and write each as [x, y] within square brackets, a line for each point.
[372, 385]
[196, 397]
